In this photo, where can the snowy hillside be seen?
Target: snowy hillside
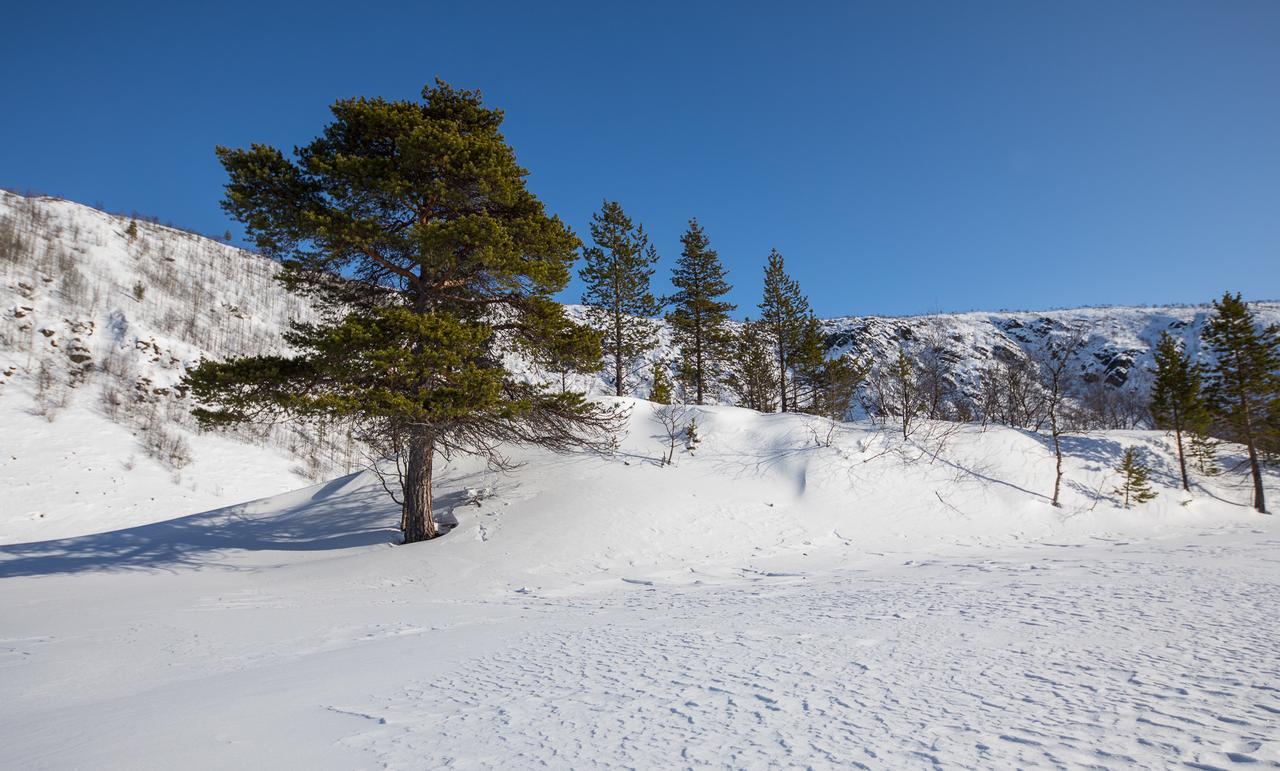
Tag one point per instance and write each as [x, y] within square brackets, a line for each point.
[99, 317]
[101, 314]
[1118, 349]
[765, 601]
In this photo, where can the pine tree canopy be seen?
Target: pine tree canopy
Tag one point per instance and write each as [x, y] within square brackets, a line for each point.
[1177, 402]
[751, 370]
[1135, 479]
[1244, 383]
[410, 224]
[699, 317]
[620, 303]
[786, 317]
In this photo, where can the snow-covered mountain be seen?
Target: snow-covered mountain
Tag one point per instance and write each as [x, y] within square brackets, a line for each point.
[100, 314]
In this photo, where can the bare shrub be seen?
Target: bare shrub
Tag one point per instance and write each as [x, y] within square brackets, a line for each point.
[52, 391]
[164, 443]
[675, 422]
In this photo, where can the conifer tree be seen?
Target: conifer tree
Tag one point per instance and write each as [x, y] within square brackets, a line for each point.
[699, 318]
[661, 393]
[751, 371]
[691, 437]
[410, 226]
[808, 364]
[1203, 449]
[1177, 404]
[1244, 382]
[785, 316]
[837, 383]
[618, 298]
[1135, 479]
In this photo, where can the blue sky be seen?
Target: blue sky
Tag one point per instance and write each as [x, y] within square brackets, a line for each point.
[905, 157]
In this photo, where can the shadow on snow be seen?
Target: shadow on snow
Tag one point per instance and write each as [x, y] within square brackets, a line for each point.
[330, 517]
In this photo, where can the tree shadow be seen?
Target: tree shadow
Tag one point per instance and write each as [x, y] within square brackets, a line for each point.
[1094, 449]
[340, 514]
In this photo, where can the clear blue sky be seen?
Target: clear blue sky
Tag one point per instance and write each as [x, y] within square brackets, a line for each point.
[905, 157]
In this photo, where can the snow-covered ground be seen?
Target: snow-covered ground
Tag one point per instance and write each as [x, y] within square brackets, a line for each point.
[767, 601]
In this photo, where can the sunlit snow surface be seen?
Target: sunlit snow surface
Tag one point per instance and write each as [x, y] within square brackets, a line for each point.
[765, 602]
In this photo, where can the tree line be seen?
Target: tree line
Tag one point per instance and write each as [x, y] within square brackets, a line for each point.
[778, 362]
[409, 226]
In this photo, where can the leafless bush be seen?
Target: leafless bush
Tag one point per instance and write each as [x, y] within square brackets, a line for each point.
[52, 392]
[164, 443]
[674, 420]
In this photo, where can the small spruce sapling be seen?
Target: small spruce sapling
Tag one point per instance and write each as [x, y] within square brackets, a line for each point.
[691, 438]
[1135, 484]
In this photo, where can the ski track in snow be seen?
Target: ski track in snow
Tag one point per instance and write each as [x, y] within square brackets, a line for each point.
[1139, 658]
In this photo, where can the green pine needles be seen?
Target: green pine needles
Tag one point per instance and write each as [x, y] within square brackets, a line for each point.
[1135, 479]
[1243, 386]
[1177, 401]
[410, 226]
[699, 317]
[620, 303]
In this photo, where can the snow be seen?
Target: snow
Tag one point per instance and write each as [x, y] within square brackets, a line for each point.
[68, 289]
[83, 473]
[767, 601]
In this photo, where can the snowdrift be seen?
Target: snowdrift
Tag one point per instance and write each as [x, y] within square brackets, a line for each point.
[757, 486]
[767, 601]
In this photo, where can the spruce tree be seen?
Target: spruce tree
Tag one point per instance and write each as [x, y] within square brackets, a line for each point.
[808, 364]
[410, 226]
[1244, 382]
[837, 383]
[751, 371]
[699, 317]
[1177, 404]
[618, 298]
[785, 316]
[1203, 450]
[661, 393]
[1135, 479]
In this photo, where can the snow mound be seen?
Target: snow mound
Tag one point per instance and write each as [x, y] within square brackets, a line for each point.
[765, 601]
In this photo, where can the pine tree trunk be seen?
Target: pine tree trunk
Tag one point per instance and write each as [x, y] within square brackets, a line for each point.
[617, 354]
[1182, 459]
[1259, 501]
[418, 522]
[782, 376]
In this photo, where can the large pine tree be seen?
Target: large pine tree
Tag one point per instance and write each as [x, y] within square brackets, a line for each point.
[410, 225]
[785, 316]
[618, 297]
[1177, 404]
[1244, 381]
[700, 316]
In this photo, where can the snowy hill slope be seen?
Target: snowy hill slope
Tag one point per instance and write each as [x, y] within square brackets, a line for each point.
[1118, 350]
[100, 315]
[765, 601]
